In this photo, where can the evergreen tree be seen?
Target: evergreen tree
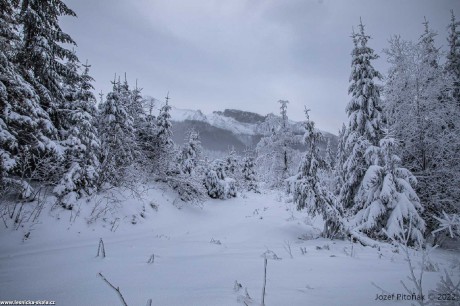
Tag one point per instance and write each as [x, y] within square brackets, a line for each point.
[328, 173]
[8, 73]
[285, 142]
[81, 163]
[45, 67]
[191, 152]
[164, 126]
[2, 177]
[24, 125]
[283, 112]
[140, 117]
[187, 181]
[42, 55]
[328, 156]
[364, 108]
[249, 174]
[275, 153]
[218, 185]
[133, 103]
[118, 145]
[136, 108]
[453, 57]
[386, 198]
[364, 117]
[165, 143]
[310, 192]
[339, 171]
[146, 134]
[9, 36]
[231, 163]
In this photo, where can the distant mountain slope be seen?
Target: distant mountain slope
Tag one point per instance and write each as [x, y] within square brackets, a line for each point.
[212, 137]
[216, 119]
[242, 116]
[221, 130]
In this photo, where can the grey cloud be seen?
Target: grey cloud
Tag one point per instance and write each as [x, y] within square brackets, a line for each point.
[246, 54]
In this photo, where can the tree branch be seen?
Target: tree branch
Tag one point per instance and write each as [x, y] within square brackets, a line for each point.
[117, 289]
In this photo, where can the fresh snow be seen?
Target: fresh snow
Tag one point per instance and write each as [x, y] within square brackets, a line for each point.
[199, 253]
[232, 125]
[180, 115]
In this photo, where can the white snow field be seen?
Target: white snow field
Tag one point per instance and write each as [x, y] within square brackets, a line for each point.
[199, 253]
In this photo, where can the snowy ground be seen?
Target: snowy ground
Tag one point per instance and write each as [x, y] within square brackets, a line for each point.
[58, 260]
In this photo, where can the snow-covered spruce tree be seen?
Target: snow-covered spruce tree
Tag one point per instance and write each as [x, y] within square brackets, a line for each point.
[218, 185]
[24, 125]
[81, 142]
[424, 118]
[42, 60]
[284, 142]
[232, 164]
[185, 176]
[275, 153]
[283, 112]
[328, 173]
[137, 112]
[309, 192]
[143, 123]
[364, 108]
[189, 188]
[453, 57]
[328, 156]
[133, 101]
[118, 142]
[9, 28]
[8, 72]
[147, 138]
[137, 104]
[249, 174]
[164, 125]
[386, 198]
[2, 178]
[191, 152]
[43, 55]
[364, 118]
[165, 148]
[339, 171]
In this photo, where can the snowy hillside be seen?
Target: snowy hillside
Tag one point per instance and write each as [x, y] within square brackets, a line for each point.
[214, 119]
[221, 130]
[180, 115]
[223, 121]
[198, 254]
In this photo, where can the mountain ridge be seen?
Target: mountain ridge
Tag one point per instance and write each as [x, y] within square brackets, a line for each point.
[235, 128]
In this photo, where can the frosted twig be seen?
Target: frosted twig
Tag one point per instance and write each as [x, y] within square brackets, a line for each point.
[117, 289]
[287, 247]
[151, 259]
[101, 249]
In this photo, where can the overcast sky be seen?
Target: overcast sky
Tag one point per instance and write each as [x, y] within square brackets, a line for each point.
[244, 54]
